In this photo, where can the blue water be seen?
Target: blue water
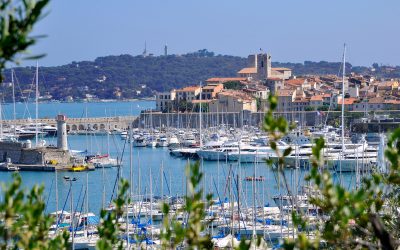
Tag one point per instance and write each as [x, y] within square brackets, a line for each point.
[147, 161]
[77, 110]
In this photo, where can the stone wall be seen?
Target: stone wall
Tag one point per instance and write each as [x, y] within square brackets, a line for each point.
[11, 150]
[210, 119]
[32, 156]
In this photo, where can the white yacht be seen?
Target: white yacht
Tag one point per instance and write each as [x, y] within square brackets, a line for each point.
[139, 142]
[218, 152]
[162, 142]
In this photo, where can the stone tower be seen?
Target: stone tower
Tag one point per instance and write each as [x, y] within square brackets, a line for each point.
[62, 142]
[263, 65]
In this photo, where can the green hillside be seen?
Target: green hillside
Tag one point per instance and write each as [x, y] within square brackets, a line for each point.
[127, 76]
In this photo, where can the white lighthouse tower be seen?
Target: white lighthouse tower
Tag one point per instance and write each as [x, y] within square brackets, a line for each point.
[62, 142]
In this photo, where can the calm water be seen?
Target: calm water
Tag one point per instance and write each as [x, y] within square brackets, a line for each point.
[147, 163]
[77, 110]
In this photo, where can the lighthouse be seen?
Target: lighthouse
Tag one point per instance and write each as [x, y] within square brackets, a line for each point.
[62, 142]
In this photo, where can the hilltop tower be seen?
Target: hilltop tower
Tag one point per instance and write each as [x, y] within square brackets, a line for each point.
[144, 54]
[165, 50]
[263, 65]
[62, 142]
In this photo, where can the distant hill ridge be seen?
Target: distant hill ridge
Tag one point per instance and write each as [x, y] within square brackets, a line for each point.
[127, 76]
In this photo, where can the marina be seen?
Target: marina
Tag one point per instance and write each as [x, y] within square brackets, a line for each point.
[247, 199]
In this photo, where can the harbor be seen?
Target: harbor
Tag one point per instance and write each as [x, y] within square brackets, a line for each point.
[247, 199]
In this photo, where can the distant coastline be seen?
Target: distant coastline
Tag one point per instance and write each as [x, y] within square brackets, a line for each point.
[93, 101]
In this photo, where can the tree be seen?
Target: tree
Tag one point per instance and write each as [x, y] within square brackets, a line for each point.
[109, 226]
[16, 23]
[23, 222]
[236, 85]
[189, 235]
[349, 219]
[309, 108]
[323, 108]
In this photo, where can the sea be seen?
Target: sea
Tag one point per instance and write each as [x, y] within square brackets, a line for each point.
[77, 109]
[149, 170]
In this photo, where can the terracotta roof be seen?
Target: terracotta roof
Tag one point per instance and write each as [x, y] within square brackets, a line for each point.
[347, 101]
[236, 94]
[392, 101]
[201, 101]
[225, 79]
[212, 87]
[377, 100]
[297, 81]
[387, 84]
[316, 98]
[281, 69]
[248, 71]
[188, 89]
[326, 95]
[301, 100]
[274, 79]
[284, 92]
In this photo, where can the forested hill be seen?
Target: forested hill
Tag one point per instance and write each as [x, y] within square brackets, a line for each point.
[132, 76]
[127, 76]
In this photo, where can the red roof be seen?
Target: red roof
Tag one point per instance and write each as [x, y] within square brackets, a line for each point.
[297, 81]
[274, 79]
[316, 98]
[201, 101]
[284, 92]
[347, 101]
[248, 71]
[392, 101]
[377, 100]
[281, 69]
[236, 94]
[225, 79]
[188, 89]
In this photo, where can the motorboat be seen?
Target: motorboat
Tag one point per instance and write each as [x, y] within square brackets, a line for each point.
[139, 142]
[8, 166]
[162, 142]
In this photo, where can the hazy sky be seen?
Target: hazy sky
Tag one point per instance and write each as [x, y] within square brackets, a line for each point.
[292, 30]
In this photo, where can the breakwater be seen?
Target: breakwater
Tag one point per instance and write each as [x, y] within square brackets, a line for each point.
[148, 119]
[210, 119]
[82, 124]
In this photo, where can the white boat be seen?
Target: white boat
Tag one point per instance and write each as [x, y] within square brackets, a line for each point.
[184, 152]
[151, 143]
[217, 151]
[103, 161]
[162, 142]
[139, 142]
[8, 166]
[255, 153]
[173, 141]
[124, 135]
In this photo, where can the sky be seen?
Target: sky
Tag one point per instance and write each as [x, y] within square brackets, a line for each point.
[290, 30]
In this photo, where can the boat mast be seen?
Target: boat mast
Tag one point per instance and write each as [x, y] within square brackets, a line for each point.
[37, 103]
[151, 204]
[1, 121]
[13, 97]
[162, 180]
[343, 78]
[56, 197]
[200, 118]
